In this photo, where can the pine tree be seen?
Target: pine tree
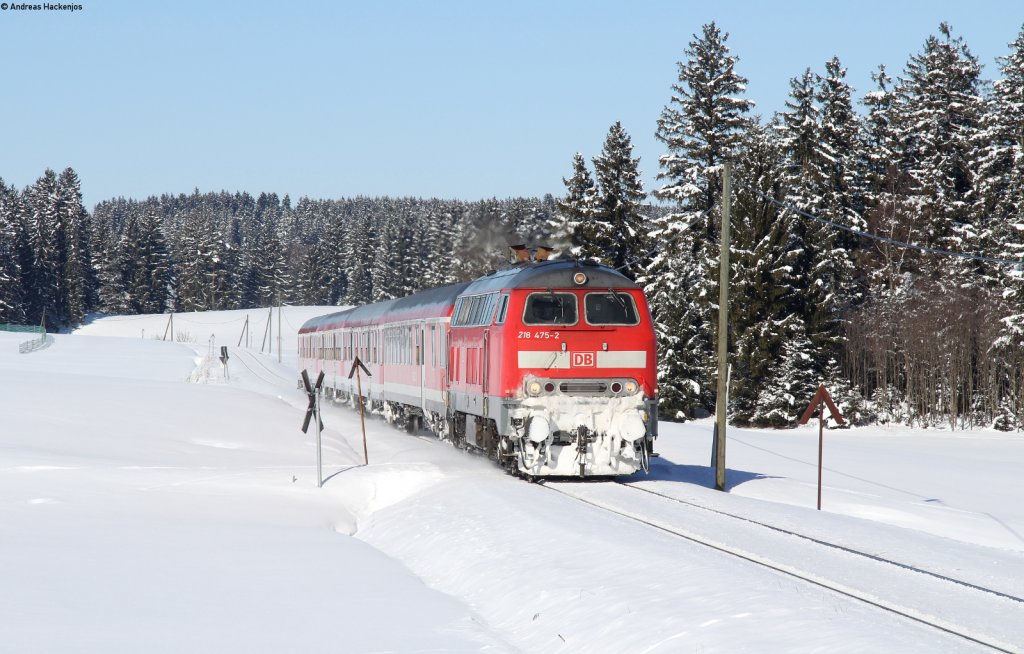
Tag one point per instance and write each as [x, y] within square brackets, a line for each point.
[48, 242]
[702, 126]
[617, 211]
[577, 208]
[77, 282]
[385, 275]
[888, 200]
[790, 381]
[358, 253]
[938, 112]
[1001, 197]
[762, 255]
[819, 133]
[107, 265]
[11, 292]
[145, 264]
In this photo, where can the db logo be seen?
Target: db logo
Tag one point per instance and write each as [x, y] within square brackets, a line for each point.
[582, 359]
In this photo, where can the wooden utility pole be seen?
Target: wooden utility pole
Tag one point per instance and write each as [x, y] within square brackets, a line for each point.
[245, 332]
[279, 332]
[266, 331]
[723, 329]
[169, 327]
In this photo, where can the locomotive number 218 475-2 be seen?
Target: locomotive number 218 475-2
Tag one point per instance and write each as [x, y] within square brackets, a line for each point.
[538, 335]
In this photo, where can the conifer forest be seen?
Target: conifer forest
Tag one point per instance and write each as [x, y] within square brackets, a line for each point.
[877, 240]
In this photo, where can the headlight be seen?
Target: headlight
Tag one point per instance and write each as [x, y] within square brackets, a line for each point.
[533, 388]
[631, 387]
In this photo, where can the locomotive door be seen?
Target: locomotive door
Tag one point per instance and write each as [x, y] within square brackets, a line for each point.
[485, 356]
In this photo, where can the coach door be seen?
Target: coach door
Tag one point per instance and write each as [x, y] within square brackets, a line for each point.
[485, 355]
[423, 363]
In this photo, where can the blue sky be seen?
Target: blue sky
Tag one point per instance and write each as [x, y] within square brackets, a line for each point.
[436, 99]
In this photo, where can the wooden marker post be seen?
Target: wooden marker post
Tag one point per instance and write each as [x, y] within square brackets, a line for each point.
[821, 397]
[356, 366]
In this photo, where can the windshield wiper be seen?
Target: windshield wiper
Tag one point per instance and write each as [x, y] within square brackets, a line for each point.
[618, 299]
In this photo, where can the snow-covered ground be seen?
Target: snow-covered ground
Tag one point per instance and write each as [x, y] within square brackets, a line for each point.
[148, 503]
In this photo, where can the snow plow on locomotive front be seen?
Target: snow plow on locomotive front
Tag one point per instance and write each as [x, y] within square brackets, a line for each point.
[572, 390]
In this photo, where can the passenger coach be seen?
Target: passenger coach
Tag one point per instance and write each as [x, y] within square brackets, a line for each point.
[549, 367]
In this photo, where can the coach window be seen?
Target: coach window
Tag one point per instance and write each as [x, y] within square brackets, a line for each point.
[550, 308]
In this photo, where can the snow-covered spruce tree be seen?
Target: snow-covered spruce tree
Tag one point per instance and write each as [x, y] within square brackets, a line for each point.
[145, 263]
[576, 209]
[360, 252]
[879, 147]
[412, 264]
[314, 276]
[819, 133]
[762, 257]
[201, 264]
[438, 243]
[788, 384]
[701, 126]
[873, 356]
[322, 278]
[386, 273]
[938, 117]
[617, 210]
[58, 227]
[1001, 198]
[11, 293]
[79, 285]
[107, 261]
[938, 114]
[48, 240]
[842, 168]
[265, 280]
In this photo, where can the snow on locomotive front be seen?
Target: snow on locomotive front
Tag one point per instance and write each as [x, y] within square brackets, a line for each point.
[573, 392]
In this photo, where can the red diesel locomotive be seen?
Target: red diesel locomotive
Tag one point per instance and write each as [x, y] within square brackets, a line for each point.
[549, 367]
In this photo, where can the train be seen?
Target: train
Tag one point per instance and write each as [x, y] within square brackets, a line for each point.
[547, 366]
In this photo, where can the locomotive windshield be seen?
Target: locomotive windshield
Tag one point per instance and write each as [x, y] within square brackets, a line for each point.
[610, 309]
[550, 309]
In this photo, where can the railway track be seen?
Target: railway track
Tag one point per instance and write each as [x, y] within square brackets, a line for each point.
[976, 614]
[926, 597]
[257, 367]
